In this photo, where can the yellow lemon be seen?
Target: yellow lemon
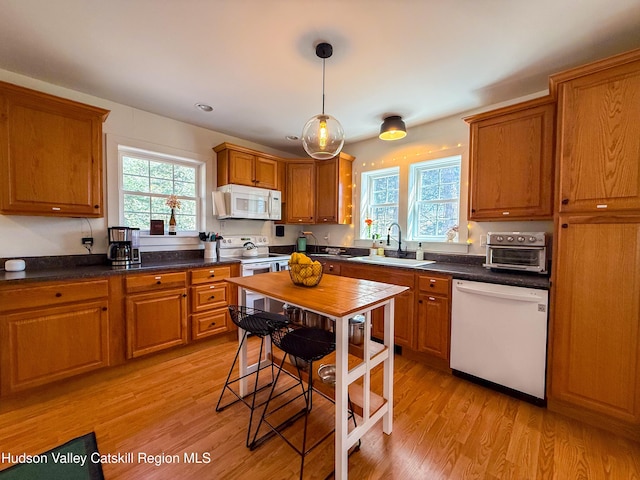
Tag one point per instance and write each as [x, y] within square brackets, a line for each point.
[310, 281]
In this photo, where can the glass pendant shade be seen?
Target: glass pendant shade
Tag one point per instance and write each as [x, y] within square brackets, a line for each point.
[323, 137]
[393, 128]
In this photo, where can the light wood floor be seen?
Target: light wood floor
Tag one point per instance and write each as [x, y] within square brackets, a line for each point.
[444, 428]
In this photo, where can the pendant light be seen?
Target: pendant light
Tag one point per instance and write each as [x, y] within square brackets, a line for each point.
[393, 128]
[323, 136]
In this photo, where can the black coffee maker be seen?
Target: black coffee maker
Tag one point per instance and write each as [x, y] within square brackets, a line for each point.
[124, 246]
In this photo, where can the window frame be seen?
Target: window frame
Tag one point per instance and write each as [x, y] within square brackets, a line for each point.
[367, 179]
[415, 171]
[143, 154]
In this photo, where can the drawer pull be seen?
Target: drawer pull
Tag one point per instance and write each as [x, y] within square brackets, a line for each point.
[213, 324]
[58, 294]
[432, 299]
[212, 297]
[158, 282]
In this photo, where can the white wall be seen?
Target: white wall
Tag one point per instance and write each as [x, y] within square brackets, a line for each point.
[39, 236]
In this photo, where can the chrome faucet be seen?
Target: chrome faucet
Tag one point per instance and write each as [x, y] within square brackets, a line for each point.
[400, 252]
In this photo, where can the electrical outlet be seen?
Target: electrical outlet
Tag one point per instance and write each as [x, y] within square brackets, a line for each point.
[87, 241]
[483, 240]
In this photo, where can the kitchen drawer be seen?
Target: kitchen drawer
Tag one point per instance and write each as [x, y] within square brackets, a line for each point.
[159, 281]
[52, 294]
[209, 323]
[435, 285]
[206, 297]
[207, 275]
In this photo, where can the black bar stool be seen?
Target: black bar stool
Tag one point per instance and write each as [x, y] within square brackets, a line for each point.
[306, 345]
[260, 323]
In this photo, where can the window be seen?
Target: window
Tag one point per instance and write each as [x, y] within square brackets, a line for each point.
[434, 198]
[380, 196]
[147, 180]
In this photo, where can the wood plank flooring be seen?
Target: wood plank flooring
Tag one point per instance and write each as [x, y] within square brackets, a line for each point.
[444, 428]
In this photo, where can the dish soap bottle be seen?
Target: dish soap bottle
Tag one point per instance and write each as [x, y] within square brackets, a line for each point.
[419, 252]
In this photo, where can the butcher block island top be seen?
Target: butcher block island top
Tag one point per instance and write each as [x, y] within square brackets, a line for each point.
[334, 296]
[341, 298]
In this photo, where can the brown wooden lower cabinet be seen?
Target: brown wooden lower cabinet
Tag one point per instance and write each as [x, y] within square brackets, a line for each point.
[434, 316]
[156, 321]
[210, 298]
[404, 303]
[65, 334]
[594, 366]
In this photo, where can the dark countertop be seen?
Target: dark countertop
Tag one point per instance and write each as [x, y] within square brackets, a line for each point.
[91, 271]
[464, 271]
[90, 266]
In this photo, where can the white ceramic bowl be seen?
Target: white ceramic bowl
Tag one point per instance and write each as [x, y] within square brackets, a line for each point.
[15, 265]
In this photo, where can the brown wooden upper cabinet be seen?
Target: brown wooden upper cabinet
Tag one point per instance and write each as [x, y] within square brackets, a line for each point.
[334, 190]
[243, 166]
[598, 143]
[319, 191]
[300, 192]
[511, 162]
[50, 155]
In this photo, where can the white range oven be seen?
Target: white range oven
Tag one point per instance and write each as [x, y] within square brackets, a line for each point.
[253, 253]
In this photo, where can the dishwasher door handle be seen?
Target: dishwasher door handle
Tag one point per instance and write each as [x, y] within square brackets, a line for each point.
[493, 293]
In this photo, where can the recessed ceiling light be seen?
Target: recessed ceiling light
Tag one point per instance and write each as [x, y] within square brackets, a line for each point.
[292, 138]
[204, 107]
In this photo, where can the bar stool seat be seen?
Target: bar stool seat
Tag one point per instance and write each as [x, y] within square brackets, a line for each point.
[307, 345]
[251, 321]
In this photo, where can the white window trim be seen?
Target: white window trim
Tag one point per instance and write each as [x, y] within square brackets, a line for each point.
[414, 168]
[366, 180]
[115, 214]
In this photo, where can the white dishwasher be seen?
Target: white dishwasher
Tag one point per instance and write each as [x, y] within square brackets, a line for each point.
[499, 334]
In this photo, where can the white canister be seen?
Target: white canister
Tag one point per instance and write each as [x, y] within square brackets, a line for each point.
[209, 250]
[373, 252]
[15, 265]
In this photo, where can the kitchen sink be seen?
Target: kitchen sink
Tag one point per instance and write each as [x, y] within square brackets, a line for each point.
[399, 262]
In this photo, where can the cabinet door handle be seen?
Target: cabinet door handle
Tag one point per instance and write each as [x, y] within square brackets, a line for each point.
[104, 309]
[96, 206]
[419, 301]
[565, 225]
[565, 201]
[184, 295]
[58, 294]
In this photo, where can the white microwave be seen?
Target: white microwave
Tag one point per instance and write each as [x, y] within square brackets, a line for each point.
[239, 201]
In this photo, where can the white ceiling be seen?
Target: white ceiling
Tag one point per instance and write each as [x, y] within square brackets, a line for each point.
[254, 60]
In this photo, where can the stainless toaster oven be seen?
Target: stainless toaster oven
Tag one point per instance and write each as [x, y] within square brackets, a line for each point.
[523, 251]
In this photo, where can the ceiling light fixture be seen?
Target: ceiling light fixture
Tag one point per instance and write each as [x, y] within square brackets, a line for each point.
[204, 107]
[323, 136]
[393, 128]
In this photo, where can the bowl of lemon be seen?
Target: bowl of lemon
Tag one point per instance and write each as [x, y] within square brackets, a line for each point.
[304, 271]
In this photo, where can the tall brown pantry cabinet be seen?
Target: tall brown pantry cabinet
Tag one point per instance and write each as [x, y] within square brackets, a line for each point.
[594, 372]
